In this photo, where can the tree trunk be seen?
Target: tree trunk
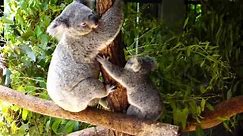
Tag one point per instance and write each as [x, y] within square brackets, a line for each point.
[117, 100]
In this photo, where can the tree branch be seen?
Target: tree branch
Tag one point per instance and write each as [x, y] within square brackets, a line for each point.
[118, 121]
[115, 121]
[223, 110]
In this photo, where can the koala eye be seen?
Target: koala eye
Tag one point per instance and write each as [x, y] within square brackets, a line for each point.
[83, 24]
[129, 63]
[54, 26]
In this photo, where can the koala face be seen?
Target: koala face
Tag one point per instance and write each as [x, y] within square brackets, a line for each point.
[75, 20]
[133, 64]
[141, 64]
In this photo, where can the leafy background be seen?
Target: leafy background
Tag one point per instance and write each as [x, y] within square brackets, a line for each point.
[198, 66]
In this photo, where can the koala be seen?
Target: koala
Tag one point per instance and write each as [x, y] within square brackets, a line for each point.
[72, 80]
[143, 97]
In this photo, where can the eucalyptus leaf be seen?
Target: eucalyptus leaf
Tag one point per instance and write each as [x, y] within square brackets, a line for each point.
[24, 114]
[29, 52]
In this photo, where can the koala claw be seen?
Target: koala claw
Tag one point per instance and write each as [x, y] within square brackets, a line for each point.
[110, 88]
[101, 59]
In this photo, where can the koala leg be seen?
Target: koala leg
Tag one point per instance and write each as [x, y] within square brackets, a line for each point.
[85, 93]
[95, 88]
[134, 111]
[103, 102]
[94, 102]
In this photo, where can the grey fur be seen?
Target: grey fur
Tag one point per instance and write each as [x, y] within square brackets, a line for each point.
[143, 97]
[72, 81]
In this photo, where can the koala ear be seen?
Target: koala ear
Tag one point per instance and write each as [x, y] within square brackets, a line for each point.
[154, 64]
[56, 29]
[151, 62]
[60, 20]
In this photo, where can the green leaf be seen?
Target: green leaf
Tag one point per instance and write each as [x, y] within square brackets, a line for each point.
[38, 31]
[47, 127]
[69, 126]
[193, 107]
[203, 102]
[15, 108]
[56, 125]
[209, 106]
[180, 116]
[229, 94]
[6, 20]
[202, 63]
[29, 52]
[24, 114]
[7, 77]
[186, 22]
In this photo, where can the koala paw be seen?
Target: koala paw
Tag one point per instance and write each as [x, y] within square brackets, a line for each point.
[102, 59]
[110, 88]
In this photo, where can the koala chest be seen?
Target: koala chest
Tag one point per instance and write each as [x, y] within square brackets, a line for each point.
[66, 72]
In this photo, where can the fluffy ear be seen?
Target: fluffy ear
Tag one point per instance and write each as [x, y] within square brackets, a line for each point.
[57, 27]
[153, 63]
[64, 21]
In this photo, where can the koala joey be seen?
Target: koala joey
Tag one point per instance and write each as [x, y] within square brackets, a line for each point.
[72, 81]
[144, 99]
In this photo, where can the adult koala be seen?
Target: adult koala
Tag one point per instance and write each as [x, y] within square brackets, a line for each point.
[72, 81]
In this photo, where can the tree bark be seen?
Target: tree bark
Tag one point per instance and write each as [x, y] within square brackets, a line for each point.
[117, 100]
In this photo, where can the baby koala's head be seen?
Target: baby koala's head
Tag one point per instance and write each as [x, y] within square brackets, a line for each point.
[75, 20]
[141, 64]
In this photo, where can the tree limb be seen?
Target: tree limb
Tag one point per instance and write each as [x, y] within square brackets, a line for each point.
[223, 110]
[118, 121]
[115, 121]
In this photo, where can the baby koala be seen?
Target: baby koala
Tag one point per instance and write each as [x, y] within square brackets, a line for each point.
[143, 97]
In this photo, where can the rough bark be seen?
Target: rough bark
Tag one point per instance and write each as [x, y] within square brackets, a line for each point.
[109, 120]
[117, 100]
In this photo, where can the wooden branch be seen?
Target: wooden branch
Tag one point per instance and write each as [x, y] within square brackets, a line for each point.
[115, 121]
[223, 110]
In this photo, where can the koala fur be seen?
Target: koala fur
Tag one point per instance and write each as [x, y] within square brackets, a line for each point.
[143, 97]
[72, 81]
